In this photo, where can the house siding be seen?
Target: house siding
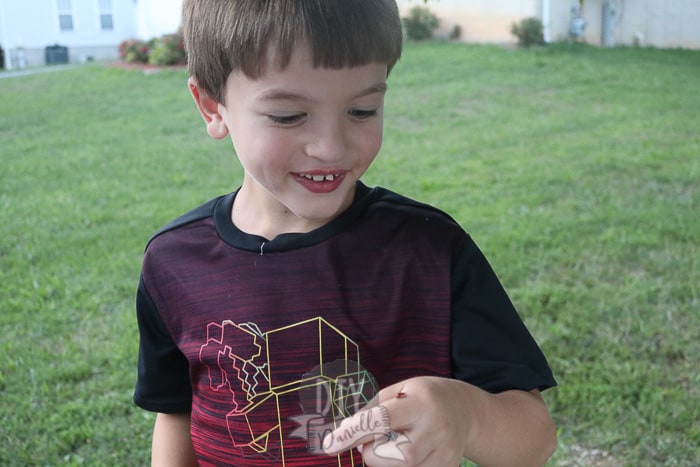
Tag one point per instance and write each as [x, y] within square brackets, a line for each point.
[657, 23]
[32, 25]
[481, 21]
[158, 17]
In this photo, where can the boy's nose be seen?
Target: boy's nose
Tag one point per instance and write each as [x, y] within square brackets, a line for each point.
[328, 142]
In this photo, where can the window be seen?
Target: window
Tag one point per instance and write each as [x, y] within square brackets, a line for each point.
[106, 18]
[65, 15]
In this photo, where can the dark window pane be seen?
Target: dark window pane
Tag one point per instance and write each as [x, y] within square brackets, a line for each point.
[106, 22]
[65, 22]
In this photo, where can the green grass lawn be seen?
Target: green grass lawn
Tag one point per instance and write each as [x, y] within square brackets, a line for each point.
[576, 169]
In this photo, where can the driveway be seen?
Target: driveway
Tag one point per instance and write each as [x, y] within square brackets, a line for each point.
[35, 70]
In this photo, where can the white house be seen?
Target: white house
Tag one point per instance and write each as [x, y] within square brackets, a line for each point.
[658, 23]
[93, 29]
[89, 29]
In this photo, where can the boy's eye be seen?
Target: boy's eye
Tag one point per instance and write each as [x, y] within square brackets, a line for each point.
[362, 114]
[286, 119]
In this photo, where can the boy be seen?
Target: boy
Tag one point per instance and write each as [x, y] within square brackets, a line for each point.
[271, 316]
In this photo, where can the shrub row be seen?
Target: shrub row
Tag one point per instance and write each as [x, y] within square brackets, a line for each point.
[168, 49]
[421, 23]
[529, 32]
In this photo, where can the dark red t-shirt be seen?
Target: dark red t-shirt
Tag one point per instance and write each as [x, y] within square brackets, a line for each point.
[270, 342]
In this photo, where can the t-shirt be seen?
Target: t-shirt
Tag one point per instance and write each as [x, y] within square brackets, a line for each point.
[269, 343]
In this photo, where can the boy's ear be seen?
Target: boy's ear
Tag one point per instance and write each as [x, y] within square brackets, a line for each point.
[209, 110]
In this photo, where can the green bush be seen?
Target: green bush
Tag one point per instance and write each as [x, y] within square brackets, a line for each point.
[529, 32]
[134, 51]
[160, 51]
[168, 50]
[420, 23]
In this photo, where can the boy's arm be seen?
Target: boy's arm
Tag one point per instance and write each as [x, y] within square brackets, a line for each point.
[443, 420]
[510, 428]
[172, 444]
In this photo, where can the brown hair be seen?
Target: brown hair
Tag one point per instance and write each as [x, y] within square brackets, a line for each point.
[222, 36]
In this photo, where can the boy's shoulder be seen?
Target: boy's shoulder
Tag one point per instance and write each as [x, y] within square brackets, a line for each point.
[202, 211]
[385, 198]
[391, 217]
[374, 210]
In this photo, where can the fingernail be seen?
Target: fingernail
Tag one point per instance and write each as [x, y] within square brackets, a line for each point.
[327, 442]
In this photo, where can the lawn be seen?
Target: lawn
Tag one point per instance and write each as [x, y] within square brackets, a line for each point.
[577, 170]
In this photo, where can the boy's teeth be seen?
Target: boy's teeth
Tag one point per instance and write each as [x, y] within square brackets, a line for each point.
[320, 178]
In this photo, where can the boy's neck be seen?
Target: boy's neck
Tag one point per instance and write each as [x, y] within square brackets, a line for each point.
[266, 217]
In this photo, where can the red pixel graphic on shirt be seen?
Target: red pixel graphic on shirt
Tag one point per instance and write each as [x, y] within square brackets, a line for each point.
[250, 364]
[238, 370]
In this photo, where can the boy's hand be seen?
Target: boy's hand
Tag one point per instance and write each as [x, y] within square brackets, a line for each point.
[417, 422]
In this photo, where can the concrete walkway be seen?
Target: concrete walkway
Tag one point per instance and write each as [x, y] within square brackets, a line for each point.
[35, 70]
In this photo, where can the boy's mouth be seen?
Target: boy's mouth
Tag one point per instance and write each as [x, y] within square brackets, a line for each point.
[320, 178]
[320, 182]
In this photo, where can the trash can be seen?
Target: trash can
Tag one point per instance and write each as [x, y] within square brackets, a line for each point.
[56, 54]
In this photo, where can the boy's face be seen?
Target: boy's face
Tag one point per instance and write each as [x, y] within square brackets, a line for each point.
[304, 136]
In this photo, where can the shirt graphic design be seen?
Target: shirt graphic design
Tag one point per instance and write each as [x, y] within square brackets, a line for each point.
[244, 363]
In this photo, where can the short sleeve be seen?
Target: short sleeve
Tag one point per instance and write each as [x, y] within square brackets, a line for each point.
[163, 383]
[491, 347]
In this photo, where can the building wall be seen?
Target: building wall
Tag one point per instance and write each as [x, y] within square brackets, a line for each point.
[32, 25]
[28, 26]
[658, 23]
[481, 21]
[158, 17]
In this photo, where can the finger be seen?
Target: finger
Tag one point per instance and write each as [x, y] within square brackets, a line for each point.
[402, 404]
[391, 392]
[386, 394]
[440, 457]
[391, 448]
[358, 429]
[386, 451]
[395, 398]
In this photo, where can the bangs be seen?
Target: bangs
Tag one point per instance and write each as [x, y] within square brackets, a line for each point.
[225, 36]
[343, 33]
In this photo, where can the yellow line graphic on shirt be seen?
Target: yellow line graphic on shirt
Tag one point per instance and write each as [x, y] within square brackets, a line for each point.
[259, 368]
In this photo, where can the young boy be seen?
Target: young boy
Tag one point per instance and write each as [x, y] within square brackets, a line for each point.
[306, 302]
